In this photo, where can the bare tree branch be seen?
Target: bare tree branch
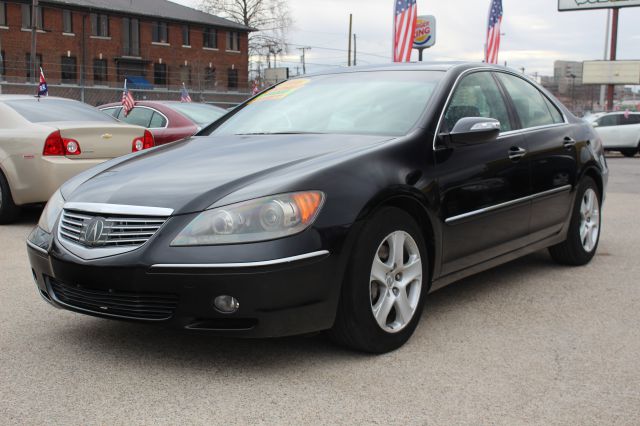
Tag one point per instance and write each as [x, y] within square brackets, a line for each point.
[271, 19]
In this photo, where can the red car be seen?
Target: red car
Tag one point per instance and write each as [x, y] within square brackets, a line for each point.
[168, 121]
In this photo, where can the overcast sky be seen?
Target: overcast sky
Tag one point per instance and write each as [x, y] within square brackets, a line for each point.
[536, 34]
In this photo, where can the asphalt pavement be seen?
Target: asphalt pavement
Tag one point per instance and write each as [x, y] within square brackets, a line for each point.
[529, 342]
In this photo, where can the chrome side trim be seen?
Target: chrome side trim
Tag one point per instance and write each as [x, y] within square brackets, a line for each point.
[243, 265]
[118, 209]
[36, 248]
[508, 204]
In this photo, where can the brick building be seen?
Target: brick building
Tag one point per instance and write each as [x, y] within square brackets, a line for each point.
[89, 46]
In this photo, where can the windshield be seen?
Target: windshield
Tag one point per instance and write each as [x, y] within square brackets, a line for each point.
[378, 103]
[51, 110]
[201, 114]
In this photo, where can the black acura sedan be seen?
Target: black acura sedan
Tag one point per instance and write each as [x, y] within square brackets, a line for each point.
[332, 202]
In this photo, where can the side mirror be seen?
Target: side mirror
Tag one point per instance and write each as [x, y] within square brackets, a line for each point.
[474, 130]
[595, 124]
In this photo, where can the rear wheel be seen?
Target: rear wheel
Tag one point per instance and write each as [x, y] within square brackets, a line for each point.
[385, 287]
[584, 231]
[8, 210]
[629, 152]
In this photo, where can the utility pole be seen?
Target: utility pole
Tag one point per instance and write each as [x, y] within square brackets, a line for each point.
[603, 88]
[34, 24]
[614, 51]
[303, 58]
[355, 50]
[350, 31]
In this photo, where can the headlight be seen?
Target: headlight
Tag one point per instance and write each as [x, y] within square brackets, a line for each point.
[51, 212]
[261, 219]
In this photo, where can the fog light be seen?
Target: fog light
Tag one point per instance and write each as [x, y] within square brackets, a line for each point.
[226, 304]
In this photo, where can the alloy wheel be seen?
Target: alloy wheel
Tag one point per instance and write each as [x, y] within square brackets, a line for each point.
[395, 282]
[589, 220]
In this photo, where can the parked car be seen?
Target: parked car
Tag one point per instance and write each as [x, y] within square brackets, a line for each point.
[169, 121]
[619, 131]
[46, 141]
[329, 202]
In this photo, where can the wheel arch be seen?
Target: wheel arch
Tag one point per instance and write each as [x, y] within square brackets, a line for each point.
[594, 173]
[415, 204]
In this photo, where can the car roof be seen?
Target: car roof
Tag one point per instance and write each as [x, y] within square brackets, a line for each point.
[413, 66]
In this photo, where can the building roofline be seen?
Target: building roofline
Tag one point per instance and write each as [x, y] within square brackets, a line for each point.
[170, 12]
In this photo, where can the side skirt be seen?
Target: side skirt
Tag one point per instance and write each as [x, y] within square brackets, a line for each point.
[492, 263]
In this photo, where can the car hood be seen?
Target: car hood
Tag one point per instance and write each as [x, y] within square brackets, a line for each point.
[191, 175]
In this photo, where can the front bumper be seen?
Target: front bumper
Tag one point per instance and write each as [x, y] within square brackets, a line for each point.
[277, 298]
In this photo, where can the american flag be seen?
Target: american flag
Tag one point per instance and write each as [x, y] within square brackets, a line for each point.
[404, 29]
[493, 32]
[127, 100]
[184, 94]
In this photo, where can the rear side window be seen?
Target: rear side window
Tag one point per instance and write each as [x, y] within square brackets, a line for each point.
[477, 95]
[57, 110]
[112, 111]
[157, 121]
[138, 116]
[555, 114]
[631, 119]
[530, 104]
[609, 120]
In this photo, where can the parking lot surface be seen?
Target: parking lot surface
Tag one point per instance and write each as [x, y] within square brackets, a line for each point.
[529, 342]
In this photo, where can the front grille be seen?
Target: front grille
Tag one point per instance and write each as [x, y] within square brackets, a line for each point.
[115, 231]
[144, 306]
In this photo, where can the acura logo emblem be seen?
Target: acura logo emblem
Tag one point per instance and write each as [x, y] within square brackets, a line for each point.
[95, 233]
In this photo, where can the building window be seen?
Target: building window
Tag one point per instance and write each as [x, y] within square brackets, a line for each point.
[185, 75]
[3, 14]
[99, 25]
[232, 78]
[160, 74]
[210, 38]
[186, 36]
[233, 41]
[67, 22]
[26, 17]
[99, 71]
[69, 71]
[130, 37]
[209, 78]
[160, 32]
[3, 69]
[28, 64]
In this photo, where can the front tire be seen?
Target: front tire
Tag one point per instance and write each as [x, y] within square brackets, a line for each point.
[584, 230]
[8, 210]
[386, 284]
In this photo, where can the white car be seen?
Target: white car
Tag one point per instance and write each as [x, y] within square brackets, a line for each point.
[44, 142]
[620, 131]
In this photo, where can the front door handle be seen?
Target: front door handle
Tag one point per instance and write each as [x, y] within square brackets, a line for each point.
[569, 143]
[516, 153]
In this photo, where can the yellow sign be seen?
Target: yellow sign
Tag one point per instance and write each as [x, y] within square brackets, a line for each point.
[283, 90]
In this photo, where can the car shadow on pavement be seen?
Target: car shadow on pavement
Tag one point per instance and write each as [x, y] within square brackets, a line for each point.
[167, 348]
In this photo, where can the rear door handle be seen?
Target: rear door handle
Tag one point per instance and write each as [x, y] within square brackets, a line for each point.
[516, 153]
[568, 142]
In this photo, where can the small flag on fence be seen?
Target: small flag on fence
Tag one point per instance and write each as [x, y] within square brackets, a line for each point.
[184, 94]
[256, 88]
[43, 88]
[127, 100]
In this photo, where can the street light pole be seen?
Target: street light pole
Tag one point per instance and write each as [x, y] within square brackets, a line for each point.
[614, 50]
[34, 33]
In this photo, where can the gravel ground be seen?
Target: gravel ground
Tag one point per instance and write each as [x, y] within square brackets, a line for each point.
[526, 343]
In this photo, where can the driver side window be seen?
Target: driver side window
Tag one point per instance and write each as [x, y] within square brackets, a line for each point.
[477, 95]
